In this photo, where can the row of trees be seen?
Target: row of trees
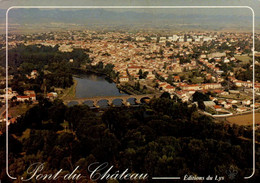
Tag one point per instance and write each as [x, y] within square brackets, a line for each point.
[164, 138]
[107, 69]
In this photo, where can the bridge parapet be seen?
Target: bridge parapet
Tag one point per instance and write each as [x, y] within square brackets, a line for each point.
[110, 99]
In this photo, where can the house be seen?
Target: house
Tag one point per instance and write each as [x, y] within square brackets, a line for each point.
[32, 97]
[52, 95]
[9, 91]
[227, 106]
[134, 69]
[184, 86]
[177, 78]
[257, 105]
[170, 88]
[246, 102]
[203, 56]
[162, 85]
[232, 101]
[241, 109]
[257, 88]
[34, 74]
[31, 94]
[218, 107]
[247, 84]
[123, 79]
[208, 86]
[183, 95]
[222, 102]
[23, 98]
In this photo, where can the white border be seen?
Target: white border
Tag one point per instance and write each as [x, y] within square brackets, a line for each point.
[132, 7]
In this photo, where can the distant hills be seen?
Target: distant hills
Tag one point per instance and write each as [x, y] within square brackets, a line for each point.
[185, 18]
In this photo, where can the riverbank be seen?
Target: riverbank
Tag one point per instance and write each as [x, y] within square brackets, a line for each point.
[127, 88]
[69, 93]
[80, 71]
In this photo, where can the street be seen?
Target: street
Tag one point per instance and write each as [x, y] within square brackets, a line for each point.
[2, 110]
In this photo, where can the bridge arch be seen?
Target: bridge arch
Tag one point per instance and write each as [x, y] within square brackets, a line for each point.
[116, 100]
[109, 99]
[131, 100]
[89, 103]
[145, 99]
[98, 102]
[73, 102]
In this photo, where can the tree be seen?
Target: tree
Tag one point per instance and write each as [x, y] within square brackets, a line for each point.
[142, 75]
[145, 74]
[170, 79]
[201, 105]
[165, 95]
[198, 96]
[74, 114]
[137, 86]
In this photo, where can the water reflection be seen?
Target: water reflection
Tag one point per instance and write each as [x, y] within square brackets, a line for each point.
[131, 101]
[72, 103]
[92, 85]
[89, 103]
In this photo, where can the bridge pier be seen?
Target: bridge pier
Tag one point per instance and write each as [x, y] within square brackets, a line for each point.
[126, 104]
[110, 102]
[80, 102]
[96, 106]
[95, 103]
[138, 101]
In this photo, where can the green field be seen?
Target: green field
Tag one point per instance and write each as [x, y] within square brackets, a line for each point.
[244, 59]
[236, 96]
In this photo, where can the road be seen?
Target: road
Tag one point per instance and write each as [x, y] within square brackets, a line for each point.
[2, 109]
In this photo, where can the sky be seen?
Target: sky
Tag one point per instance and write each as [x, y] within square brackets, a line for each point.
[233, 14]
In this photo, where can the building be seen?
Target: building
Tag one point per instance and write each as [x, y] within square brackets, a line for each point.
[23, 98]
[52, 95]
[123, 79]
[169, 89]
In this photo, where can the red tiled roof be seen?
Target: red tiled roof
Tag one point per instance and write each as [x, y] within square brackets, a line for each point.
[23, 97]
[217, 107]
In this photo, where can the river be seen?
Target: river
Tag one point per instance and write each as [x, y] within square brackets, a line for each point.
[92, 85]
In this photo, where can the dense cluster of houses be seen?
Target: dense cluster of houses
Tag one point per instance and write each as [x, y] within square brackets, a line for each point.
[156, 56]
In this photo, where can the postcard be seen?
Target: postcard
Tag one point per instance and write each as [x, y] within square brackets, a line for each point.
[129, 91]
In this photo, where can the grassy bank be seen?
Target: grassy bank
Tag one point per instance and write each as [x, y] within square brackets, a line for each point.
[69, 93]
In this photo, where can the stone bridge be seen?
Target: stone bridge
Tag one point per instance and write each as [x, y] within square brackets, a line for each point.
[110, 99]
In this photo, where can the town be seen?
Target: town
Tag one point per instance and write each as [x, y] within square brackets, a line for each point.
[213, 70]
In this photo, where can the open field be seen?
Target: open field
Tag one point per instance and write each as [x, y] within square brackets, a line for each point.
[19, 109]
[236, 96]
[244, 59]
[246, 119]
